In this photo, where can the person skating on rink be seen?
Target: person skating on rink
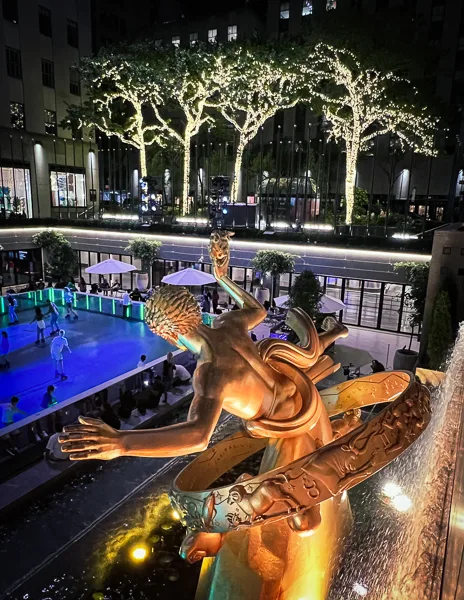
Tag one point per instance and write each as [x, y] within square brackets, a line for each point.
[39, 317]
[12, 305]
[57, 347]
[54, 314]
[68, 300]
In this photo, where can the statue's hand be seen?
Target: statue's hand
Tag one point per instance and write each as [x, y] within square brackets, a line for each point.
[220, 252]
[91, 439]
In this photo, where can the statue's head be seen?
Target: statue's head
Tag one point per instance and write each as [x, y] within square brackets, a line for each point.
[172, 311]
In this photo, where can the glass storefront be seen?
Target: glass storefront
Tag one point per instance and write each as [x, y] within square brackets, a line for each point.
[67, 187]
[20, 267]
[15, 192]
[372, 304]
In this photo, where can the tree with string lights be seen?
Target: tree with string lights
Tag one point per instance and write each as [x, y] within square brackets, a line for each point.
[121, 86]
[264, 81]
[360, 103]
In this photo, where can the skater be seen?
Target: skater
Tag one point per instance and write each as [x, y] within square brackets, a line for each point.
[54, 314]
[4, 350]
[40, 325]
[126, 304]
[68, 300]
[57, 347]
[13, 303]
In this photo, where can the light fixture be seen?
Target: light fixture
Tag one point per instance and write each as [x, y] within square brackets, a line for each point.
[360, 589]
[390, 490]
[139, 553]
[118, 217]
[402, 503]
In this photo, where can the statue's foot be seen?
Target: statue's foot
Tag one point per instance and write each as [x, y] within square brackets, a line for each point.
[306, 522]
[197, 546]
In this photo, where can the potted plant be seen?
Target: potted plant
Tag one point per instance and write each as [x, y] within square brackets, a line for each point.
[441, 331]
[57, 254]
[146, 251]
[306, 293]
[417, 275]
[273, 263]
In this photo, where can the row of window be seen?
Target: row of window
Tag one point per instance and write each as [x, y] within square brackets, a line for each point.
[306, 10]
[14, 69]
[18, 118]
[232, 32]
[10, 13]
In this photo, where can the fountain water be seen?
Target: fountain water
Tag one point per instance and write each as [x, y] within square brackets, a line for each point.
[396, 548]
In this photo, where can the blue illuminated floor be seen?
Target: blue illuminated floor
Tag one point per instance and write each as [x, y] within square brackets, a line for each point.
[102, 348]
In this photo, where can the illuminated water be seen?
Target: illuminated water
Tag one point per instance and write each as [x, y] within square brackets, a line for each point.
[394, 555]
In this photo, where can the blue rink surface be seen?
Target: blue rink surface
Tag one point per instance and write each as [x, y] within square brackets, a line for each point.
[102, 348]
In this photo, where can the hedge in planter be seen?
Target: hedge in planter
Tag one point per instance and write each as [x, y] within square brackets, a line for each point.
[306, 293]
[274, 263]
[441, 331]
[146, 251]
[61, 259]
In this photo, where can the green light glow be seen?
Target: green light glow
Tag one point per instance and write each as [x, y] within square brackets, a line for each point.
[87, 302]
[114, 306]
[100, 304]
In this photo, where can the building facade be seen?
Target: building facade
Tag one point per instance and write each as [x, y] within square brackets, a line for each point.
[46, 170]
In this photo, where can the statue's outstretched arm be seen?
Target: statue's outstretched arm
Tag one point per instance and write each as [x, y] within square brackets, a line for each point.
[252, 310]
[94, 439]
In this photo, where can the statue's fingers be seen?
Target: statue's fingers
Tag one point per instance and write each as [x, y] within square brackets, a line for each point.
[90, 421]
[80, 429]
[84, 455]
[85, 444]
[84, 435]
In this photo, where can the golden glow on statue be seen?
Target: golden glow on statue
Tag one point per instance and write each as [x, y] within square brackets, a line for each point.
[276, 535]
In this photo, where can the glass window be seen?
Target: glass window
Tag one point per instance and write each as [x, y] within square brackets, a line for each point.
[68, 189]
[352, 300]
[391, 306]
[438, 12]
[193, 38]
[13, 63]
[10, 10]
[48, 73]
[45, 21]
[331, 4]
[15, 191]
[285, 10]
[447, 250]
[50, 122]
[231, 33]
[73, 34]
[17, 116]
[408, 311]
[307, 8]
[212, 36]
[74, 82]
[370, 305]
[176, 41]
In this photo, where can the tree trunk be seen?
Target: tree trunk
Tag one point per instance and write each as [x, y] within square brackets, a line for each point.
[237, 172]
[186, 172]
[143, 161]
[350, 182]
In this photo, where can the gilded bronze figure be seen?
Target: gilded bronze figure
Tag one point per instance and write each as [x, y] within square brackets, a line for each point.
[276, 535]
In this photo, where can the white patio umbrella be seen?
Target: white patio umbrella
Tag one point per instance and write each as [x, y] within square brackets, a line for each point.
[189, 277]
[110, 267]
[328, 304]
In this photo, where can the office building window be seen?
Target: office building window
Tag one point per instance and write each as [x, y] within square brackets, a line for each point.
[231, 33]
[158, 43]
[45, 21]
[331, 4]
[15, 191]
[50, 122]
[438, 12]
[74, 82]
[13, 63]
[307, 8]
[447, 250]
[193, 38]
[73, 34]
[176, 41]
[212, 36]
[68, 186]
[17, 116]
[48, 73]
[10, 10]
[285, 10]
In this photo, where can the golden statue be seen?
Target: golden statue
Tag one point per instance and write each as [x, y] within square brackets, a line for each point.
[276, 535]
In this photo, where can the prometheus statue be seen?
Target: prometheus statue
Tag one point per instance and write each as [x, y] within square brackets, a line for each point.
[277, 535]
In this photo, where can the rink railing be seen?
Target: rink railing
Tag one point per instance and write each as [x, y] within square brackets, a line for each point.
[105, 305]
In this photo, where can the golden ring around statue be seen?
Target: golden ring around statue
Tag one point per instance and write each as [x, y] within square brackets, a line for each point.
[292, 489]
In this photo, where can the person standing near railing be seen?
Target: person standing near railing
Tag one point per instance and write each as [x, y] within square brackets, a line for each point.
[4, 349]
[126, 303]
[54, 314]
[68, 300]
[12, 305]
